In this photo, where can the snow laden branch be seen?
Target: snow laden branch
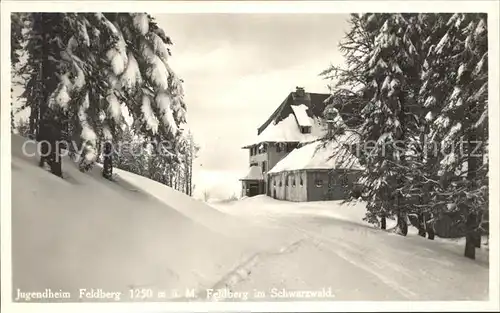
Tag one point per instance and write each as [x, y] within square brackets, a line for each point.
[99, 72]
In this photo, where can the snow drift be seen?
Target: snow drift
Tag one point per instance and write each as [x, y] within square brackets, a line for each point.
[86, 232]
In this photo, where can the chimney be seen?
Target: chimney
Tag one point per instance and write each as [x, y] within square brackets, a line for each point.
[300, 92]
[330, 114]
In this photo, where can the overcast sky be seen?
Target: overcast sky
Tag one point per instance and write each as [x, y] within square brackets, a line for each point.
[238, 68]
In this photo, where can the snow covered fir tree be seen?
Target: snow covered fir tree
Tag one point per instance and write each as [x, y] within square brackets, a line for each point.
[82, 73]
[419, 83]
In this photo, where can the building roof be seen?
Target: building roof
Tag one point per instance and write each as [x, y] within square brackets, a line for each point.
[255, 173]
[320, 155]
[299, 108]
[314, 101]
[287, 130]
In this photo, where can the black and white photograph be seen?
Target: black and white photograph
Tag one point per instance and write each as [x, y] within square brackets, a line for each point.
[168, 156]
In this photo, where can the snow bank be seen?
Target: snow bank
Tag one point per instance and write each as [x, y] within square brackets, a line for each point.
[264, 205]
[86, 232]
[194, 209]
[316, 156]
[353, 212]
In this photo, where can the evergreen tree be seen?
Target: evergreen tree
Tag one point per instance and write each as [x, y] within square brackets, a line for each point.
[129, 154]
[419, 80]
[191, 153]
[381, 67]
[17, 21]
[22, 128]
[455, 92]
[98, 63]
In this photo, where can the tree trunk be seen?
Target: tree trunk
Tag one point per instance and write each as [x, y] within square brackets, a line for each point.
[428, 226]
[402, 224]
[470, 237]
[421, 225]
[186, 179]
[383, 223]
[50, 133]
[473, 163]
[190, 178]
[33, 121]
[430, 233]
[478, 240]
[477, 233]
[76, 141]
[12, 124]
[50, 119]
[43, 144]
[107, 171]
[470, 248]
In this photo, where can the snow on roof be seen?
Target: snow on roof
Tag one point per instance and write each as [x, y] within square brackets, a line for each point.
[288, 131]
[300, 112]
[255, 173]
[316, 155]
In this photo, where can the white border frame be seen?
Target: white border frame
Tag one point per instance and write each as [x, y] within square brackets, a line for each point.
[491, 7]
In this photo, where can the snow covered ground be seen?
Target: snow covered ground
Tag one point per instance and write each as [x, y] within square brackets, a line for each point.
[86, 232]
[357, 261]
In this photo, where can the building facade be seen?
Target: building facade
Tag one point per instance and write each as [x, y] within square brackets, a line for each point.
[311, 184]
[298, 122]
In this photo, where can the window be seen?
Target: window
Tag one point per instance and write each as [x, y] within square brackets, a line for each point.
[293, 181]
[305, 129]
[357, 190]
[319, 183]
[290, 146]
[301, 181]
[332, 182]
[281, 183]
[264, 167]
[278, 147]
[286, 181]
[344, 180]
[354, 149]
[262, 148]
[274, 181]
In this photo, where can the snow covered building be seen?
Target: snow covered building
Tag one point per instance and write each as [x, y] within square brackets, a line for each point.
[315, 171]
[287, 160]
